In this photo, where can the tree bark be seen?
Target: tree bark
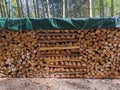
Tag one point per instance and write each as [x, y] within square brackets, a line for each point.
[94, 8]
[48, 9]
[43, 11]
[22, 12]
[80, 9]
[6, 6]
[63, 8]
[101, 8]
[38, 12]
[9, 8]
[27, 7]
[34, 4]
[18, 7]
[75, 9]
[1, 10]
[53, 9]
[67, 8]
[89, 4]
[112, 7]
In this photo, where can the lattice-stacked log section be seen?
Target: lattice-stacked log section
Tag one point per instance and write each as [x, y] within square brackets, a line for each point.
[60, 53]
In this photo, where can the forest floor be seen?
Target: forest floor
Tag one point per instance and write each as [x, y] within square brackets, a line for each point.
[58, 84]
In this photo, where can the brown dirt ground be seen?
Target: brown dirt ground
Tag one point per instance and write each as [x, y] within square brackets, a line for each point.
[58, 84]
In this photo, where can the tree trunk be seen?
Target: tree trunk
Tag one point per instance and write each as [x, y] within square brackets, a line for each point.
[27, 7]
[34, 4]
[18, 7]
[101, 8]
[43, 11]
[112, 7]
[22, 12]
[75, 9]
[9, 8]
[48, 9]
[94, 8]
[67, 8]
[88, 7]
[37, 8]
[1, 10]
[6, 6]
[53, 9]
[63, 8]
[89, 4]
[80, 9]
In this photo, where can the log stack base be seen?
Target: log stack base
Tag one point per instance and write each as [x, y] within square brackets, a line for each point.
[60, 53]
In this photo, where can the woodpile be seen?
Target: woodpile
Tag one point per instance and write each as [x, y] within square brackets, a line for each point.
[60, 53]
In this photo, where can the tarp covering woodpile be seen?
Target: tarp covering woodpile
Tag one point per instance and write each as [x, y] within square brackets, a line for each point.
[58, 23]
[60, 48]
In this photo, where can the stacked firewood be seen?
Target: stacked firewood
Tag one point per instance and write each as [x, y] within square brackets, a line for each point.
[60, 53]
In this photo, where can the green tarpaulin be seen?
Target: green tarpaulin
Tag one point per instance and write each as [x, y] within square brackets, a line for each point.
[58, 23]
